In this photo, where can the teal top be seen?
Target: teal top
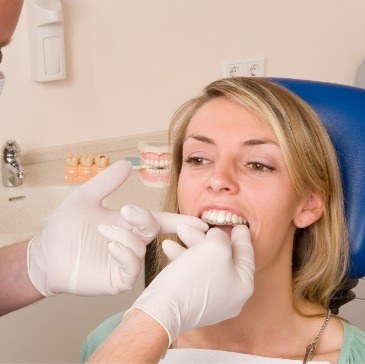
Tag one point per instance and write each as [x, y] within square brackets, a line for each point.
[352, 351]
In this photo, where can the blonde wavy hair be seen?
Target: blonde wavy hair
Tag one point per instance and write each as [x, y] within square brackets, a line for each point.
[320, 252]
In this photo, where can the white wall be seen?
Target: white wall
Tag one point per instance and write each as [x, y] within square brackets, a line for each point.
[131, 63]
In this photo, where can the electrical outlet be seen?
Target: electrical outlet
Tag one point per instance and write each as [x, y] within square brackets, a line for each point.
[254, 67]
[234, 69]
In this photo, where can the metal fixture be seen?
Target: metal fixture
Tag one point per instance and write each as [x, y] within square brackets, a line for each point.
[11, 168]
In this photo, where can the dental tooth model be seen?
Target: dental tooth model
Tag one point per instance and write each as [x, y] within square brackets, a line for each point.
[72, 168]
[80, 169]
[86, 167]
[101, 161]
[157, 155]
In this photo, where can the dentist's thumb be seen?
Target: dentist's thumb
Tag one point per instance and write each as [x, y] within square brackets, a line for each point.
[172, 249]
[243, 255]
[189, 235]
[103, 184]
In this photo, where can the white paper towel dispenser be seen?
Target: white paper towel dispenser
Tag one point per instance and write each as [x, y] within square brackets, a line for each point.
[46, 40]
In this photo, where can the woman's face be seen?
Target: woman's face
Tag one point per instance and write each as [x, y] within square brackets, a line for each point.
[233, 169]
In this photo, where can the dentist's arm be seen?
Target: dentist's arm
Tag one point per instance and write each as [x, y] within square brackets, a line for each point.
[187, 294]
[71, 256]
[16, 289]
[138, 339]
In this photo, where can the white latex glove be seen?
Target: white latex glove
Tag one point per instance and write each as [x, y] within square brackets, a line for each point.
[71, 256]
[205, 284]
[139, 227]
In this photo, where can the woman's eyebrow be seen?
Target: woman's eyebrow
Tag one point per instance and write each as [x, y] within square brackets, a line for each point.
[200, 138]
[246, 143]
[253, 142]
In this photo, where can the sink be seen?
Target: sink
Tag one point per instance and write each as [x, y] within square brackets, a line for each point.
[24, 211]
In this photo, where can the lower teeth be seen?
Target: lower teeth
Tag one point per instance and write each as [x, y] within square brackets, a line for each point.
[222, 223]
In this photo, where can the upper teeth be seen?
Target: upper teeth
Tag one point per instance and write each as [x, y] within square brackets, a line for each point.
[222, 217]
[156, 163]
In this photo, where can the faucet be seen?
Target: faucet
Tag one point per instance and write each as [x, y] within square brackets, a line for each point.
[11, 168]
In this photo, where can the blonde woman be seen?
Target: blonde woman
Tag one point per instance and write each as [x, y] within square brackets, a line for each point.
[254, 162]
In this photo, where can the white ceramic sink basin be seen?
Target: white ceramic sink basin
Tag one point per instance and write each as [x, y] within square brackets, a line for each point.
[24, 211]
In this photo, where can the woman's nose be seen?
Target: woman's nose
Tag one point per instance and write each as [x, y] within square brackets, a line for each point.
[223, 179]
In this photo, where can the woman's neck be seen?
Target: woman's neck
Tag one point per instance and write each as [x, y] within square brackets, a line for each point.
[269, 312]
[268, 324]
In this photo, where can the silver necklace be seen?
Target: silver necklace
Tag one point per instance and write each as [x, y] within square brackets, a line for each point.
[311, 348]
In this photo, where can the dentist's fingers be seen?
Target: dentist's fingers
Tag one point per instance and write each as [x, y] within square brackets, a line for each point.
[125, 273]
[125, 237]
[241, 243]
[190, 235]
[172, 249]
[142, 221]
[106, 182]
[243, 253]
[169, 222]
[148, 224]
[218, 235]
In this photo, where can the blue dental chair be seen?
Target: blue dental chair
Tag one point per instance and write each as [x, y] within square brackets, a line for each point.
[342, 110]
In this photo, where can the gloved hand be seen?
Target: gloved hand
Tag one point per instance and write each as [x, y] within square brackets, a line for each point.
[71, 256]
[137, 229]
[205, 284]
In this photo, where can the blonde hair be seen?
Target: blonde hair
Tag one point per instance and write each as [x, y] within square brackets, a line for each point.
[320, 252]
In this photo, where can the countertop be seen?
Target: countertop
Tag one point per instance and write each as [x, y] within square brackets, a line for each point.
[21, 219]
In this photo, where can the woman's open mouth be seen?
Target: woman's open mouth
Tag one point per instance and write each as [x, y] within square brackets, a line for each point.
[223, 217]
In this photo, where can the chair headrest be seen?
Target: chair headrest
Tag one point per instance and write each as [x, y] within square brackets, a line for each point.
[342, 110]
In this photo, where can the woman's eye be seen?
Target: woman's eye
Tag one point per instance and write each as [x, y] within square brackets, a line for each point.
[196, 161]
[260, 167]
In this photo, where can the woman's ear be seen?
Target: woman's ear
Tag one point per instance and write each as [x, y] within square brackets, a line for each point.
[309, 210]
